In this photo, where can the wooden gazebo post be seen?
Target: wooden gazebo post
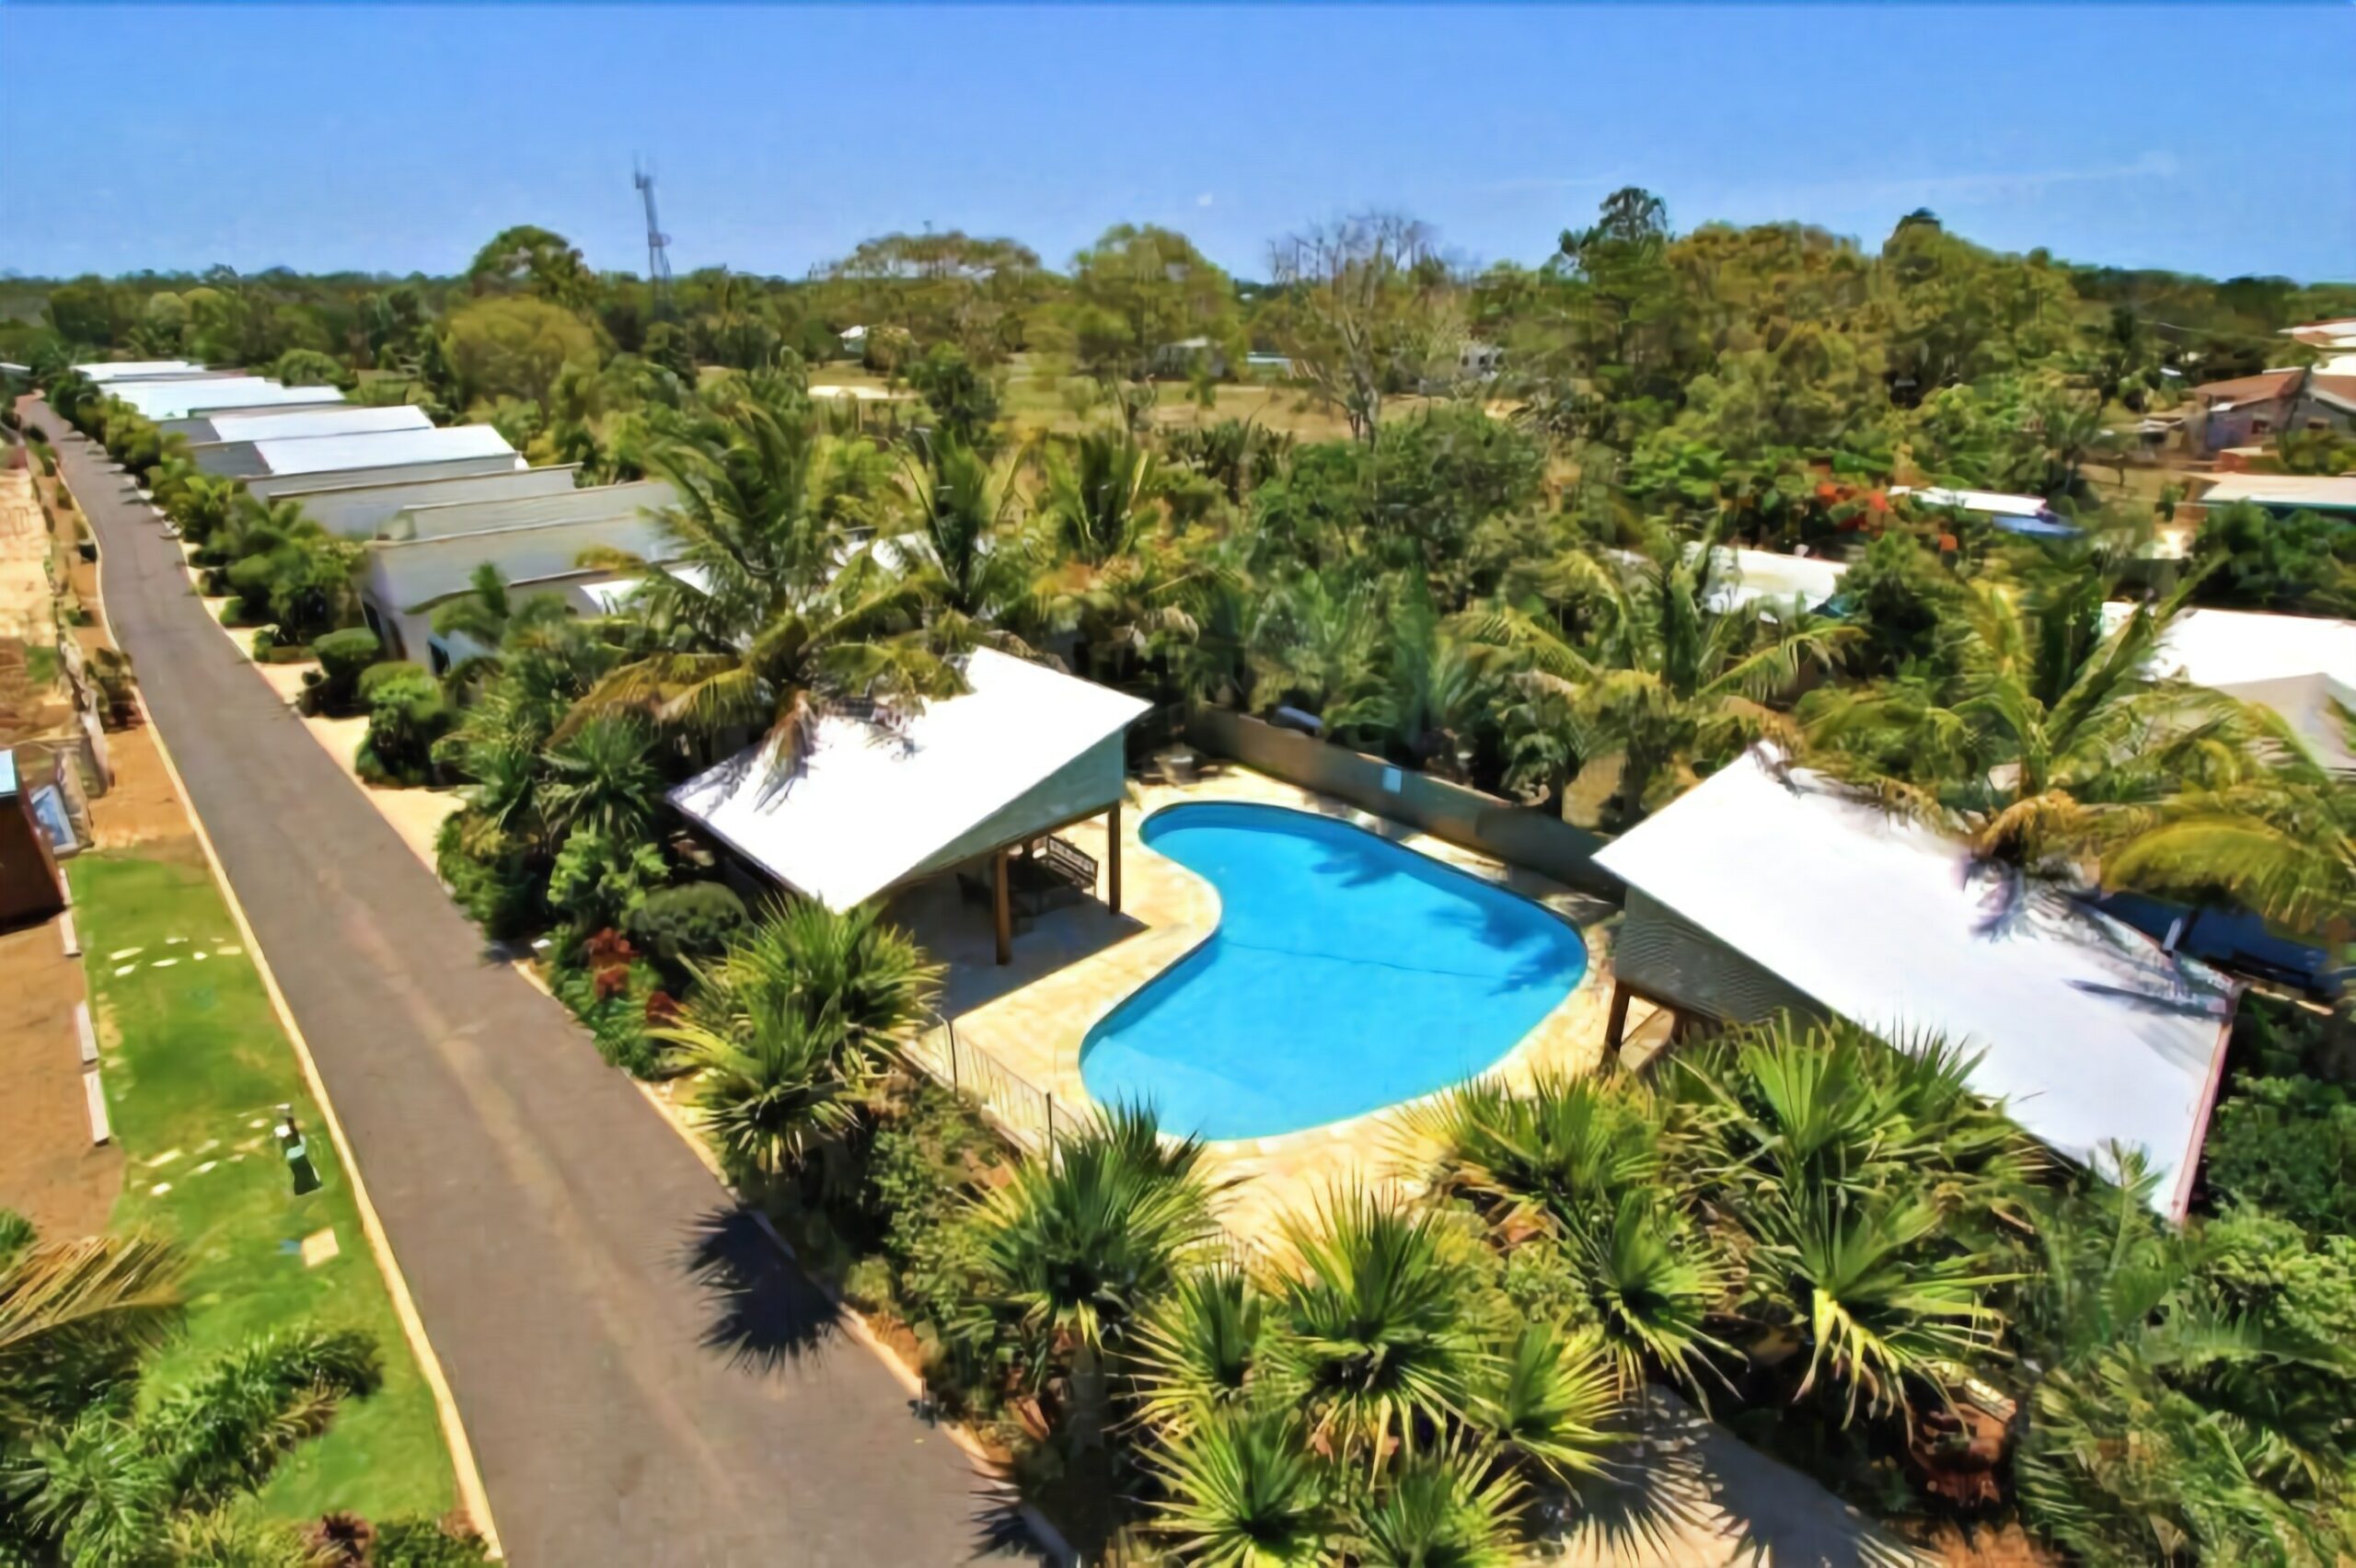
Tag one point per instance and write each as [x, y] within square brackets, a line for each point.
[1001, 907]
[1113, 857]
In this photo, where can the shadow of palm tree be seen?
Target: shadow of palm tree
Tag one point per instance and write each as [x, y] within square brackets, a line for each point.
[1001, 1533]
[767, 1312]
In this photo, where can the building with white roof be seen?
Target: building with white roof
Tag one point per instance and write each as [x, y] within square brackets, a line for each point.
[2286, 492]
[966, 779]
[2301, 666]
[350, 419]
[1772, 580]
[2011, 513]
[284, 457]
[491, 515]
[106, 370]
[178, 397]
[403, 580]
[358, 503]
[1762, 890]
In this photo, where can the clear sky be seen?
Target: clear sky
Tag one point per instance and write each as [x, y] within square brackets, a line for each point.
[2217, 138]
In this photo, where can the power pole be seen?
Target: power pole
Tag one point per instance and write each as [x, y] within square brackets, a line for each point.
[658, 258]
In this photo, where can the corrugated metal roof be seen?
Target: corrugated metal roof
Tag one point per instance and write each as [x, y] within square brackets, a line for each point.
[429, 521]
[348, 420]
[869, 806]
[2087, 1032]
[177, 399]
[380, 449]
[104, 371]
[2330, 492]
[410, 573]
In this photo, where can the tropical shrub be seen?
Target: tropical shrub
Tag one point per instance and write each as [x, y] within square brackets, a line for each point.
[692, 921]
[407, 714]
[343, 655]
[491, 876]
[2288, 1145]
[598, 879]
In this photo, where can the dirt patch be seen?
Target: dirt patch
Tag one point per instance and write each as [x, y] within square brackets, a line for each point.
[140, 810]
[49, 1171]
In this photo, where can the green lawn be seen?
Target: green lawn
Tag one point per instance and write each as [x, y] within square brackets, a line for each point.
[195, 1061]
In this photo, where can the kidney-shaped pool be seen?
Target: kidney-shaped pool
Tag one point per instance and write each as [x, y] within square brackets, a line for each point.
[1347, 973]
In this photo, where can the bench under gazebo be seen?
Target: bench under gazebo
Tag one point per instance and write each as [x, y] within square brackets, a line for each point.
[978, 784]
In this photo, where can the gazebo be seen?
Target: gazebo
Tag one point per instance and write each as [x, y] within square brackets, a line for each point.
[981, 778]
[1765, 889]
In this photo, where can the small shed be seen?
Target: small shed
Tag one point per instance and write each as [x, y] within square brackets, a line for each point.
[30, 886]
[977, 778]
[1767, 889]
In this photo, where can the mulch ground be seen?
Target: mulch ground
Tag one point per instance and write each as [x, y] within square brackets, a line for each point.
[49, 1171]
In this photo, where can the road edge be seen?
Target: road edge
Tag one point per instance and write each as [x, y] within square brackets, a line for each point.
[472, 1496]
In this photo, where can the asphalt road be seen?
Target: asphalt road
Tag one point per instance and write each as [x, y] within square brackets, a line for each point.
[644, 1378]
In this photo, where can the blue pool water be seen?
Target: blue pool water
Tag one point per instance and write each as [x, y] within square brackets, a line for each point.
[1347, 973]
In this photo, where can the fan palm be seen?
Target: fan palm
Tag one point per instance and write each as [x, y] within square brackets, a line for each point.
[1079, 1245]
[774, 1090]
[1449, 1508]
[1653, 1278]
[602, 777]
[1875, 1296]
[1202, 1350]
[1378, 1335]
[1244, 1490]
[770, 618]
[805, 959]
[1548, 1402]
[1668, 678]
[1567, 1148]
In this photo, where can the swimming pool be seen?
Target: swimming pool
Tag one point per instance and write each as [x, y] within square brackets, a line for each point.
[1347, 973]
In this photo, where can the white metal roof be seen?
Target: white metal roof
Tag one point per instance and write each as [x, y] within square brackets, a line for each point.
[2334, 491]
[869, 807]
[427, 519]
[2298, 666]
[104, 371]
[349, 421]
[177, 399]
[408, 572]
[2087, 1032]
[380, 449]
[1993, 501]
[1749, 577]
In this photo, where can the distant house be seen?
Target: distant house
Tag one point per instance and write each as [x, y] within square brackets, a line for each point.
[2286, 493]
[2027, 514]
[292, 456]
[1181, 358]
[2336, 339]
[2250, 410]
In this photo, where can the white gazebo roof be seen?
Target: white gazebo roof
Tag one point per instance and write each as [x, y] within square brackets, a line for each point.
[2087, 1032]
[872, 807]
[2299, 665]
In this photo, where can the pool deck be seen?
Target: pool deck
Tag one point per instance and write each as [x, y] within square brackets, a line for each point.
[1074, 965]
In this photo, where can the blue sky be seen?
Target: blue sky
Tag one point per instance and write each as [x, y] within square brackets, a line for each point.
[2208, 138]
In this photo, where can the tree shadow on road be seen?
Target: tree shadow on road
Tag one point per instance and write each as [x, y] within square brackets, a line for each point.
[766, 1311]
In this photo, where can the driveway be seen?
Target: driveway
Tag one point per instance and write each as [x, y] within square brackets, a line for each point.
[644, 1379]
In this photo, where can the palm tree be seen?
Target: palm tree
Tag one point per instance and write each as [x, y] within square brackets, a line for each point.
[805, 959]
[77, 1313]
[1245, 1491]
[602, 777]
[1203, 1350]
[967, 555]
[1665, 675]
[2053, 737]
[1378, 1341]
[770, 618]
[1078, 1246]
[1450, 1508]
[1108, 580]
[774, 1092]
[1548, 1402]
